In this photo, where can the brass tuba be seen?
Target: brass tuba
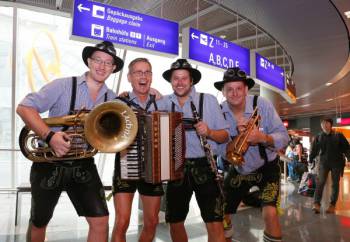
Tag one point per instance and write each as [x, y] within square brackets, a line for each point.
[236, 148]
[109, 127]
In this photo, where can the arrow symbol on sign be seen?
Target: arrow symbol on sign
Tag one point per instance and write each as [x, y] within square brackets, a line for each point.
[194, 36]
[81, 8]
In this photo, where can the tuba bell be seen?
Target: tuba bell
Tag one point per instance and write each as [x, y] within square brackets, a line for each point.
[236, 148]
[110, 127]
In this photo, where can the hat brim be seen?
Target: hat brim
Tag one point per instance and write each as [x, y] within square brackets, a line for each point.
[88, 50]
[195, 74]
[248, 81]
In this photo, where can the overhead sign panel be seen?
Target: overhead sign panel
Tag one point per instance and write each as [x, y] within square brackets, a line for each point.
[211, 50]
[127, 28]
[269, 73]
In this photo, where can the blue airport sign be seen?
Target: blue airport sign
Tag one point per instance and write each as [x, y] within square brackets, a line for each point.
[95, 20]
[269, 73]
[211, 50]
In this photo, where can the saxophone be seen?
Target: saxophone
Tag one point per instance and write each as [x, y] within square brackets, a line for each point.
[209, 153]
[238, 146]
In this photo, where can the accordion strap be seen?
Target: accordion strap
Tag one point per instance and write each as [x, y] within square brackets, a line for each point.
[152, 100]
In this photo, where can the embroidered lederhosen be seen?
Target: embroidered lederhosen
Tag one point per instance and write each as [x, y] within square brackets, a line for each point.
[267, 178]
[79, 178]
[199, 178]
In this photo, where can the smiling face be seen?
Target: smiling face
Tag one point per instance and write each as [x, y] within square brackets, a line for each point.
[181, 82]
[140, 77]
[235, 93]
[101, 66]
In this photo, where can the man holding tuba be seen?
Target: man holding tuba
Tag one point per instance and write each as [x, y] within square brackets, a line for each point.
[253, 150]
[78, 177]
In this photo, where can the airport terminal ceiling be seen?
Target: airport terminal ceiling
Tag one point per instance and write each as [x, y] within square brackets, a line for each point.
[314, 34]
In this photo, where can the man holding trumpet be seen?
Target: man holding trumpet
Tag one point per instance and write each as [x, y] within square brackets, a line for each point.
[258, 165]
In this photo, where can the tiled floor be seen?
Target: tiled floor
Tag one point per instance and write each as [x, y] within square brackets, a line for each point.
[298, 221]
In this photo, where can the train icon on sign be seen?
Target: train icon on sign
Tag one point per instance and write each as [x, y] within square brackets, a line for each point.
[97, 30]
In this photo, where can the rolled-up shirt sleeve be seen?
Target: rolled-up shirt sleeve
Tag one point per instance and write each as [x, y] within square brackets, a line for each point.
[45, 98]
[216, 120]
[274, 127]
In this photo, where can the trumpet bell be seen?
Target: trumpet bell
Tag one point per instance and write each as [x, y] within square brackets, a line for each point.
[235, 158]
[111, 127]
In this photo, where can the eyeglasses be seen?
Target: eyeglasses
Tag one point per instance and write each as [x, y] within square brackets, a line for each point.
[141, 73]
[109, 64]
[181, 64]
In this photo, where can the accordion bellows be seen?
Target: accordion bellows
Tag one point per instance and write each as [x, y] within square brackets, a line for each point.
[158, 152]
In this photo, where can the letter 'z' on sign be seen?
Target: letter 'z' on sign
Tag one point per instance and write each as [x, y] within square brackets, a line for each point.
[213, 51]
[269, 72]
[93, 20]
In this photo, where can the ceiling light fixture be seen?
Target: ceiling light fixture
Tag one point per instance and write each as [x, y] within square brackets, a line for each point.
[304, 95]
[347, 14]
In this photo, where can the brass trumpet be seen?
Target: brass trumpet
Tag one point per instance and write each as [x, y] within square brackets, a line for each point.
[236, 148]
[110, 127]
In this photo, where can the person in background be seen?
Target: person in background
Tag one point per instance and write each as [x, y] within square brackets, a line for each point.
[261, 162]
[291, 164]
[78, 177]
[331, 147]
[301, 164]
[298, 150]
[199, 178]
[140, 78]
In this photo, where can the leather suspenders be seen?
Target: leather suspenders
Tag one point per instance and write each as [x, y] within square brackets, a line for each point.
[262, 150]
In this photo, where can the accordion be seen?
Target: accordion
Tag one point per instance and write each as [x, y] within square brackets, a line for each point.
[158, 152]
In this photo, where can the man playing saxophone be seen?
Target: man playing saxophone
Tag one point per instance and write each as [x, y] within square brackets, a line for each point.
[78, 177]
[260, 161]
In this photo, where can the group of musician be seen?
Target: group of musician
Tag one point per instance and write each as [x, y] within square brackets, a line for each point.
[218, 125]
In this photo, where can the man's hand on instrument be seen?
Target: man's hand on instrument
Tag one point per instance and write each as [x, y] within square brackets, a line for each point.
[241, 125]
[202, 129]
[60, 143]
[256, 136]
